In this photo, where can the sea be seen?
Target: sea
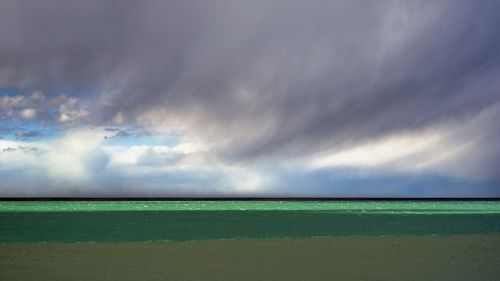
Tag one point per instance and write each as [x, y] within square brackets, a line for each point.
[250, 240]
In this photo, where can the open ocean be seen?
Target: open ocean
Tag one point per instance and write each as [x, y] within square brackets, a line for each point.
[250, 240]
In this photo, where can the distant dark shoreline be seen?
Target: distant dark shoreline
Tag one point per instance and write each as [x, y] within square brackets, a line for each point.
[244, 199]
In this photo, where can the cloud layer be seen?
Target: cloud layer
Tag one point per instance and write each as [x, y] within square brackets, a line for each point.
[388, 88]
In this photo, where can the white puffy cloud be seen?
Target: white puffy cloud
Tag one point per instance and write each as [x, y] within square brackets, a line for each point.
[76, 157]
[28, 113]
[453, 149]
[70, 111]
[9, 102]
[39, 107]
[13, 156]
[81, 162]
[381, 152]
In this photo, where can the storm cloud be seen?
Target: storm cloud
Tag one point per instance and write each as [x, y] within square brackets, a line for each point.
[264, 82]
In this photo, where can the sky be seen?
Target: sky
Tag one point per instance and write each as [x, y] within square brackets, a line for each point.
[250, 98]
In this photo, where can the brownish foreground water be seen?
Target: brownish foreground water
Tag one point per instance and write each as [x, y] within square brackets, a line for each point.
[415, 257]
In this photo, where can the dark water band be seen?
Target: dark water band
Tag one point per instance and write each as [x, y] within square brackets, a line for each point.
[204, 225]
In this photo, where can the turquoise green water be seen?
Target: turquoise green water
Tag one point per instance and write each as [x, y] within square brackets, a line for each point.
[424, 207]
[185, 221]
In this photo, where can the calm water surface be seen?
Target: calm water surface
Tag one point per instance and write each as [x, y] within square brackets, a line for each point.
[123, 221]
[342, 206]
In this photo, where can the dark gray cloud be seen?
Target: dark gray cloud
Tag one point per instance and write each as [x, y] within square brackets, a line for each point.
[26, 149]
[32, 150]
[20, 133]
[262, 77]
[141, 131]
[26, 134]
